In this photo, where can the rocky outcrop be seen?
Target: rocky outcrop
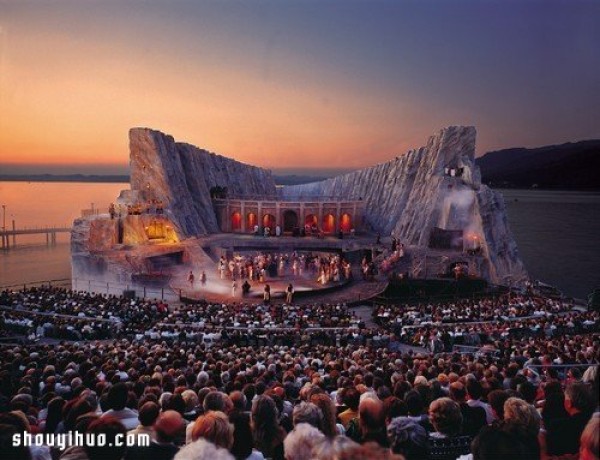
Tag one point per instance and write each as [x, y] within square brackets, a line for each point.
[438, 185]
[181, 176]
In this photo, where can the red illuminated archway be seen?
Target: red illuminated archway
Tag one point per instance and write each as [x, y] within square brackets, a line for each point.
[251, 221]
[345, 223]
[328, 223]
[236, 222]
[311, 220]
[269, 221]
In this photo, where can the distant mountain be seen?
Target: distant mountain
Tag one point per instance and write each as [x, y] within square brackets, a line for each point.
[571, 166]
[63, 178]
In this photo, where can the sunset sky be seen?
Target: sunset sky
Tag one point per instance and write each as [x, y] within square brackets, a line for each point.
[295, 84]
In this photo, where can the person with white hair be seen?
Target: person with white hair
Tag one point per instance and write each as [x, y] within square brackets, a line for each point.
[308, 413]
[202, 450]
[300, 442]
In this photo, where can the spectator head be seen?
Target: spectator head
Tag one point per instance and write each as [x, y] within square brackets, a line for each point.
[522, 414]
[113, 430]
[300, 442]
[148, 413]
[169, 426]
[408, 438]
[351, 398]
[578, 398]
[238, 399]
[457, 392]
[324, 402]
[117, 396]
[333, 448]
[309, 413]
[414, 403]
[214, 426]
[9, 451]
[394, 407]
[528, 391]
[474, 389]
[371, 415]
[190, 398]
[242, 435]
[217, 401]
[590, 444]
[497, 398]
[445, 416]
[202, 450]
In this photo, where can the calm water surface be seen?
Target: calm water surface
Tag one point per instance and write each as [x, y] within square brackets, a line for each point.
[558, 233]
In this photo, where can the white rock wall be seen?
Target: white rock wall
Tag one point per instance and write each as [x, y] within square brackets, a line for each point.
[411, 194]
[182, 175]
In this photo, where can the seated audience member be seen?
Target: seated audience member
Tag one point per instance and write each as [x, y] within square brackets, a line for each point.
[563, 435]
[522, 420]
[214, 426]
[242, 448]
[474, 393]
[299, 443]
[117, 401]
[446, 442]
[474, 418]
[268, 435]
[590, 440]
[494, 442]
[169, 427]
[202, 450]
[147, 415]
[307, 412]
[408, 438]
[351, 398]
[113, 430]
[372, 422]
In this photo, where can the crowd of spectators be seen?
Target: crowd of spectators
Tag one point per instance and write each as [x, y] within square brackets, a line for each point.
[246, 315]
[303, 394]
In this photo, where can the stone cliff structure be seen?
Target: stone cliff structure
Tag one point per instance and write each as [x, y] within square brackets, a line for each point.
[431, 199]
[437, 186]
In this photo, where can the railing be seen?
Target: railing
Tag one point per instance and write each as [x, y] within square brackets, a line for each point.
[103, 288]
[63, 282]
[125, 288]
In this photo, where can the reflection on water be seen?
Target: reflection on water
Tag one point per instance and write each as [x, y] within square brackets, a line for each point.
[556, 232]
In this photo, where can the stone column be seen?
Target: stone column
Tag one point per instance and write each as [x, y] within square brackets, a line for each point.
[320, 215]
[227, 218]
[243, 211]
[259, 217]
[338, 217]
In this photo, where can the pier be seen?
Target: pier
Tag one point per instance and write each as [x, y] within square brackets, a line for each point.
[9, 237]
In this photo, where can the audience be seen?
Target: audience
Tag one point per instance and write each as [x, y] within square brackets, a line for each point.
[299, 393]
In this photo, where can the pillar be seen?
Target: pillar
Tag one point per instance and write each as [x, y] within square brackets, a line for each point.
[337, 218]
[243, 211]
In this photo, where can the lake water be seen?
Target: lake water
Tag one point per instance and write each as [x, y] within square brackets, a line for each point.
[558, 233]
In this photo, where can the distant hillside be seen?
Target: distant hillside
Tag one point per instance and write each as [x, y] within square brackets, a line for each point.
[571, 166]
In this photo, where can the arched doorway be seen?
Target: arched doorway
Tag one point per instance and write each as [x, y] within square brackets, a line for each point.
[251, 221]
[311, 223]
[328, 223]
[269, 221]
[236, 221]
[345, 223]
[290, 220]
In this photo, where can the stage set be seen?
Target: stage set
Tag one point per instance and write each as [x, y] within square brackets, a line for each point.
[200, 224]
